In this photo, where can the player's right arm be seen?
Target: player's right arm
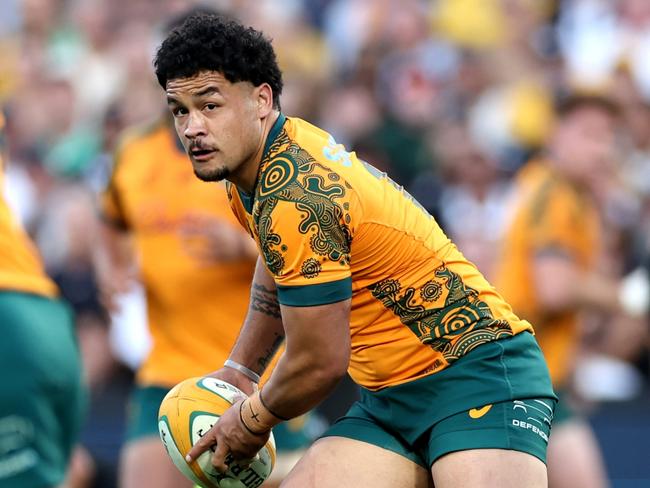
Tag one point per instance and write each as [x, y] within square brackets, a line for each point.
[561, 282]
[561, 285]
[305, 250]
[114, 263]
[261, 335]
[114, 253]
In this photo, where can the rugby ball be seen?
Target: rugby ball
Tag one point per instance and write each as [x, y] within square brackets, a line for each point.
[189, 410]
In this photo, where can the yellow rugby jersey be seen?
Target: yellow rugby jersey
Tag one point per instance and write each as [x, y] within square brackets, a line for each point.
[331, 227]
[195, 310]
[20, 266]
[549, 215]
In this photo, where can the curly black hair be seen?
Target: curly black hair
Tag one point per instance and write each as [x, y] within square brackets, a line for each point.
[208, 42]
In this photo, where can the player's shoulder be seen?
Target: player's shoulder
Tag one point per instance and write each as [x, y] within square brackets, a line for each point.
[318, 144]
[549, 193]
[304, 155]
[137, 141]
[139, 135]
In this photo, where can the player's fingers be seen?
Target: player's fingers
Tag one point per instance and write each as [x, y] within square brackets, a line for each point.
[219, 457]
[202, 445]
[239, 397]
[246, 463]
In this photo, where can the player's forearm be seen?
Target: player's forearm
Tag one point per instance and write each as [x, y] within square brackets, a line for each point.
[114, 261]
[113, 248]
[595, 291]
[562, 286]
[317, 355]
[315, 359]
[262, 333]
[579, 292]
[592, 291]
[300, 381]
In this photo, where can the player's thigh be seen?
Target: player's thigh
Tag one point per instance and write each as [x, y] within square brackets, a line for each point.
[144, 462]
[502, 444]
[285, 461]
[574, 459]
[292, 439]
[339, 462]
[488, 468]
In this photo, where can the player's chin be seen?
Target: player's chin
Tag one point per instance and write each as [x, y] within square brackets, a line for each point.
[210, 172]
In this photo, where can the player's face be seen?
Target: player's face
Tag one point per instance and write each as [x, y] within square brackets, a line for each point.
[585, 142]
[217, 121]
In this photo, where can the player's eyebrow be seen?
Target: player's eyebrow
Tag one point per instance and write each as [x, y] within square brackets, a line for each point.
[208, 90]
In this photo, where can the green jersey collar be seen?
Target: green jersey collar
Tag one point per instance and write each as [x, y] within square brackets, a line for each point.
[248, 199]
[273, 134]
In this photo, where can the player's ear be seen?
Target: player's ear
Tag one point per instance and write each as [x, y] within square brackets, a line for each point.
[264, 98]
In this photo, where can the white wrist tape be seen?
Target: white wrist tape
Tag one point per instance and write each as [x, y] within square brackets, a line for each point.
[249, 373]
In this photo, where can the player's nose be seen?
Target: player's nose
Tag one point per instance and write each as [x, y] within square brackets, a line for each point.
[195, 126]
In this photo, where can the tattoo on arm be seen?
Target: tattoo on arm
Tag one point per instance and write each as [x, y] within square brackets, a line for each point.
[265, 301]
[270, 352]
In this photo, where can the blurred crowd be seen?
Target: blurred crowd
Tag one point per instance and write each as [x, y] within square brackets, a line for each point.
[449, 97]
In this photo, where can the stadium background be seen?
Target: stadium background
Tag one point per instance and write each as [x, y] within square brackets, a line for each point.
[450, 97]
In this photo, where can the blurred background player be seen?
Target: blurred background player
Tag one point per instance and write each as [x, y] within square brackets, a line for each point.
[179, 238]
[552, 268]
[42, 397]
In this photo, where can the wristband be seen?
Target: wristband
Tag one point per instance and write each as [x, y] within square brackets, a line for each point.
[241, 417]
[255, 416]
[249, 373]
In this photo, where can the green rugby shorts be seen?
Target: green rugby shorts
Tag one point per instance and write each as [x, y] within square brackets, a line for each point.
[498, 396]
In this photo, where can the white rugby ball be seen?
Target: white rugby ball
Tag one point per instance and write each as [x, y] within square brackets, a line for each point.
[189, 410]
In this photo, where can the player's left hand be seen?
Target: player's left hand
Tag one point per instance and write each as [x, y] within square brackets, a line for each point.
[229, 436]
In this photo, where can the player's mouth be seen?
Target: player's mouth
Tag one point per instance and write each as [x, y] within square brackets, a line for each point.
[202, 154]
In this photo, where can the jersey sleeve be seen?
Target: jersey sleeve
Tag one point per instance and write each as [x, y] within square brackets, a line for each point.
[110, 201]
[555, 224]
[305, 234]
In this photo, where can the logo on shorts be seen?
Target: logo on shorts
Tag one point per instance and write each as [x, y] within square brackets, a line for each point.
[535, 407]
[477, 413]
[538, 417]
[17, 453]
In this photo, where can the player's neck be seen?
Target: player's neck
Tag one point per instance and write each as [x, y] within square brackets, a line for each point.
[246, 177]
